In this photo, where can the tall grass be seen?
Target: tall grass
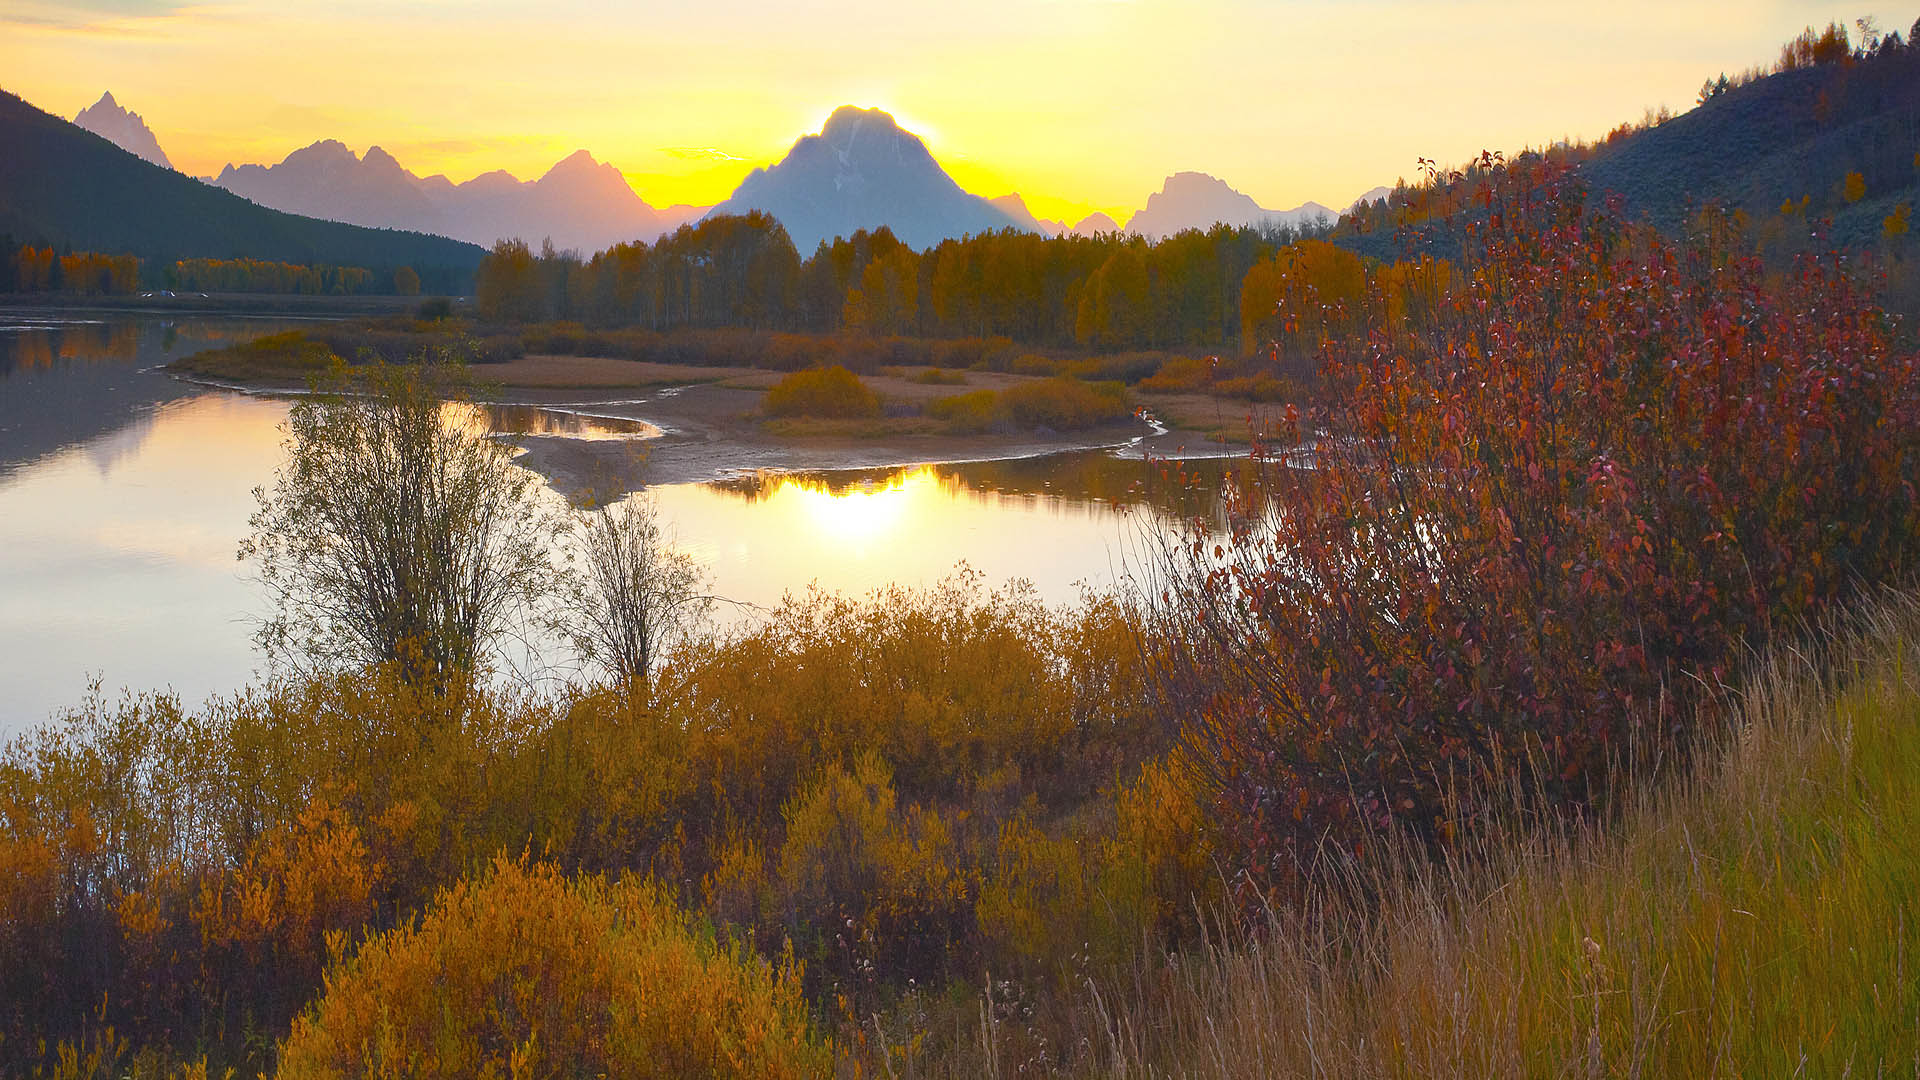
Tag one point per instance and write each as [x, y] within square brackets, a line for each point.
[1752, 917]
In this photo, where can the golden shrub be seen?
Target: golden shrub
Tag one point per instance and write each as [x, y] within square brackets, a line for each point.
[832, 392]
[524, 972]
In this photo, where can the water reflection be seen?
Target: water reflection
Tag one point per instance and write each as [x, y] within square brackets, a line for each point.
[1060, 523]
[68, 379]
[124, 496]
[1090, 482]
[547, 421]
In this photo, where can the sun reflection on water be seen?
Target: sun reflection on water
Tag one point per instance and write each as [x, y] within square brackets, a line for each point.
[866, 513]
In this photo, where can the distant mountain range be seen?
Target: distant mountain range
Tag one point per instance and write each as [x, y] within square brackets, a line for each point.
[123, 129]
[61, 185]
[860, 172]
[1015, 207]
[1191, 200]
[579, 204]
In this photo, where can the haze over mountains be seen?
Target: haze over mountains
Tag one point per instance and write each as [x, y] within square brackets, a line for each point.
[580, 203]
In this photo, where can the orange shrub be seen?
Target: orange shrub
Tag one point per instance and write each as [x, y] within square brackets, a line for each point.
[1261, 387]
[832, 392]
[1181, 373]
[1065, 404]
[524, 972]
[970, 412]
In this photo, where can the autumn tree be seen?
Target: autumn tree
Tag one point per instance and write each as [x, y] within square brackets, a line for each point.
[887, 300]
[507, 286]
[1114, 307]
[397, 532]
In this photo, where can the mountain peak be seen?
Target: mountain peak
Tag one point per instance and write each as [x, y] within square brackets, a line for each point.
[849, 120]
[1197, 200]
[325, 150]
[1095, 224]
[122, 128]
[862, 171]
[1015, 207]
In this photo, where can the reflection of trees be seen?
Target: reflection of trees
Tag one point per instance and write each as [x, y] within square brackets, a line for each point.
[1088, 481]
[119, 341]
[66, 384]
[74, 343]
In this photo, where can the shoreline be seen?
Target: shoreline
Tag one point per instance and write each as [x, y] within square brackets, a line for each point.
[711, 428]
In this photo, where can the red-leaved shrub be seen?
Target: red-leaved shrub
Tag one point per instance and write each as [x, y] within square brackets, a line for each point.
[1533, 526]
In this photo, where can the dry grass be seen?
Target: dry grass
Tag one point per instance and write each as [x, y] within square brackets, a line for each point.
[1752, 918]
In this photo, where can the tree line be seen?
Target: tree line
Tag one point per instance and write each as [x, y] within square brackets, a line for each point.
[88, 273]
[264, 276]
[1107, 291]
[94, 273]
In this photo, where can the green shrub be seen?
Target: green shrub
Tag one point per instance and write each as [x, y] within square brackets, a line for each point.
[831, 392]
[290, 355]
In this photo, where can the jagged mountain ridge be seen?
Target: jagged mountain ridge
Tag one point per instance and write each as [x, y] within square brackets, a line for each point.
[862, 171]
[123, 128]
[62, 186]
[580, 203]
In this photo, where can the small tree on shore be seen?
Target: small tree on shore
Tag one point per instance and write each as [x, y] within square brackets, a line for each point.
[633, 598]
[396, 533]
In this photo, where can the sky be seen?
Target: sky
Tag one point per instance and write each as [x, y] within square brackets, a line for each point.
[1079, 105]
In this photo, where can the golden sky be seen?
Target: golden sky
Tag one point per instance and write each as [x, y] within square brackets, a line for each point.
[1079, 105]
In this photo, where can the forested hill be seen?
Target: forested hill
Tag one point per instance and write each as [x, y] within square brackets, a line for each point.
[1830, 134]
[1795, 134]
[63, 186]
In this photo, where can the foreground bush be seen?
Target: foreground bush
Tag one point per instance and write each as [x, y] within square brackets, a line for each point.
[833, 784]
[526, 973]
[1755, 915]
[831, 392]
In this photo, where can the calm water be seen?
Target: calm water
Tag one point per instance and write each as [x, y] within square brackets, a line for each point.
[124, 493]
